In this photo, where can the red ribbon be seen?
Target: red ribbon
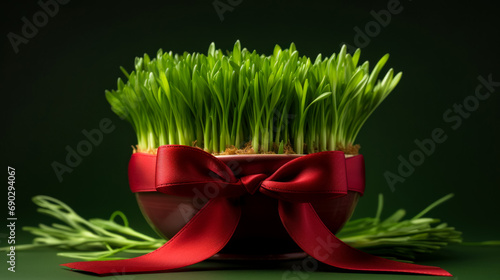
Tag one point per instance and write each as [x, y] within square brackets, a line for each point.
[297, 183]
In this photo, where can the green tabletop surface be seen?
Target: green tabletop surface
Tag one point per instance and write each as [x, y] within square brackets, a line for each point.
[464, 262]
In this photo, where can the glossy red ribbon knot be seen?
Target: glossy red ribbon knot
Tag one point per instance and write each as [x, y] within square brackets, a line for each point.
[296, 183]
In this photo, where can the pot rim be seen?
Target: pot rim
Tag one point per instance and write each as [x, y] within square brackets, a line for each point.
[273, 155]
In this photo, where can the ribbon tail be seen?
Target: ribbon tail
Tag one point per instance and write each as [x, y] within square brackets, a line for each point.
[202, 237]
[310, 233]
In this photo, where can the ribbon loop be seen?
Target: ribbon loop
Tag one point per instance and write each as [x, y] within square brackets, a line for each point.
[309, 178]
[304, 179]
[186, 171]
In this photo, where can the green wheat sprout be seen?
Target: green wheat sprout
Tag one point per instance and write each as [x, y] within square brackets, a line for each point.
[220, 100]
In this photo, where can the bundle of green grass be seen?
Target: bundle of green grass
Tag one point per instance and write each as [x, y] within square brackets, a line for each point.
[245, 101]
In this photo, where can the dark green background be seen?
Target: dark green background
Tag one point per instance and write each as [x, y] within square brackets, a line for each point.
[54, 88]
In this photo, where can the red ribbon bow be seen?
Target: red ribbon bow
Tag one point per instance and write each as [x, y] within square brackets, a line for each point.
[297, 183]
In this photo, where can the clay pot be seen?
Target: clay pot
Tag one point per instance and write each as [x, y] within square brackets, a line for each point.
[260, 233]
